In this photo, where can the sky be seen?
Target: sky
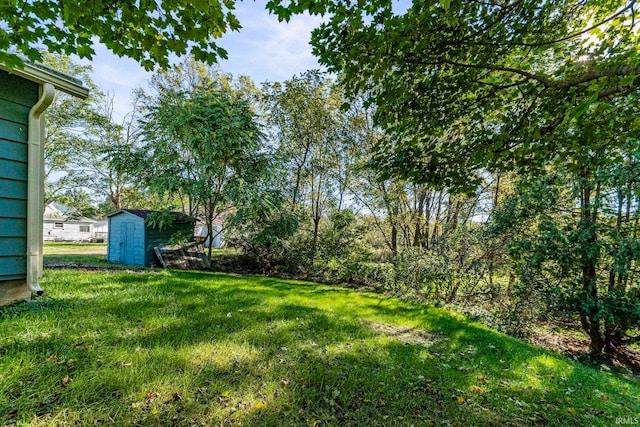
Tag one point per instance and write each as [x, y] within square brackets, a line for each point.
[264, 49]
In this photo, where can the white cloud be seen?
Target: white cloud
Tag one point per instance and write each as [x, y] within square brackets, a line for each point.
[266, 49]
[263, 49]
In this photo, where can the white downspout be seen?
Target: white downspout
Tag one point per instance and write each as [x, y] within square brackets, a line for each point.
[35, 191]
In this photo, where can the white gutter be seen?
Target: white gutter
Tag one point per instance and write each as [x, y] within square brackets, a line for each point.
[35, 190]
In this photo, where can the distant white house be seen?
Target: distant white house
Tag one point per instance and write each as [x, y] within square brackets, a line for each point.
[62, 223]
[100, 230]
[200, 234]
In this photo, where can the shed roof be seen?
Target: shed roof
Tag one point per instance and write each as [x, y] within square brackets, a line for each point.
[178, 217]
[42, 74]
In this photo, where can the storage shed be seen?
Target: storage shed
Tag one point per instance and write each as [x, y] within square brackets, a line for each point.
[131, 240]
[25, 93]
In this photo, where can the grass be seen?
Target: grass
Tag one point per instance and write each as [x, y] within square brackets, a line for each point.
[74, 252]
[95, 253]
[191, 348]
[216, 252]
[74, 248]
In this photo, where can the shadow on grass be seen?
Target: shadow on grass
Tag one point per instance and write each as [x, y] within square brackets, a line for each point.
[185, 348]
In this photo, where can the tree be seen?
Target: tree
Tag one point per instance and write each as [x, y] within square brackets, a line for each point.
[304, 113]
[463, 88]
[466, 85]
[80, 201]
[66, 120]
[147, 31]
[574, 240]
[202, 143]
[84, 147]
[99, 163]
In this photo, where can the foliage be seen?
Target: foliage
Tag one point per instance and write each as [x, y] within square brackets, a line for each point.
[462, 89]
[582, 267]
[262, 229]
[94, 161]
[163, 219]
[146, 31]
[202, 143]
[80, 201]
[380, 276]
[451, 270]
[460, 86]
[278, 241]
[98, 161]
[305, 118]
[66, 117]
[83, 143]
[340, 248]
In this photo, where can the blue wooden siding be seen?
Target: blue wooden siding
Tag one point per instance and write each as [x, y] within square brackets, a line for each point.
[126, 239]
[113, 250]
[17, 96]
[161, 238]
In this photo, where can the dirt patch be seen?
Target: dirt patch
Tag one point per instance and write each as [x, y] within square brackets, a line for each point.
[578, 349]
[92, 267]
[561, 343]
[405, 334]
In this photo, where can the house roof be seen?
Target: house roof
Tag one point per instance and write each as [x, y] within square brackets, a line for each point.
[178, 217]
[55, 211]
[58, 210]
[42, 74]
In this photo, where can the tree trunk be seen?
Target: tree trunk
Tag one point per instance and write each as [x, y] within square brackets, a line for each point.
[434, 234]
[591, 322]
[394, 239]
[296, 188]
[417, 236]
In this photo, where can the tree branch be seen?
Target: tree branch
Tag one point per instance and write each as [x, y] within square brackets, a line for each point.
[625, 70]
[630, 5]
[544, 80]
[631, 340]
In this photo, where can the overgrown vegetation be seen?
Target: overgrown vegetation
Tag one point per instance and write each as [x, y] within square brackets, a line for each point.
[191, 348]
[471, 153]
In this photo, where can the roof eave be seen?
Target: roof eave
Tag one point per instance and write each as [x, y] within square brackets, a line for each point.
[42, 74]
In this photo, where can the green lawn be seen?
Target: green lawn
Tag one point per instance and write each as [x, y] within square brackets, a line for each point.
[74, 248]
[76, 253]
[190, 348]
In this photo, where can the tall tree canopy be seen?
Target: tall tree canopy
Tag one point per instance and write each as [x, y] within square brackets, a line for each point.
[201, 141]
[146, 30]
[463, 85]
[66, 118]
[531, 86]
[83, 141]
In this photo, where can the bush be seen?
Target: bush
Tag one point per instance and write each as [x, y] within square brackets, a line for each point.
[377, 275]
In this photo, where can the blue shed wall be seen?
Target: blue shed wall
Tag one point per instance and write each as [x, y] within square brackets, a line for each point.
[126, 239]
[162, 237]
[17, 96]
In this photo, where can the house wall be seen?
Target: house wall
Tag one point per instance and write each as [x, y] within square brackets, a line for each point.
[201, 235]
[100, 231]
[17, 96]
[125, 243]
[70, 231]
